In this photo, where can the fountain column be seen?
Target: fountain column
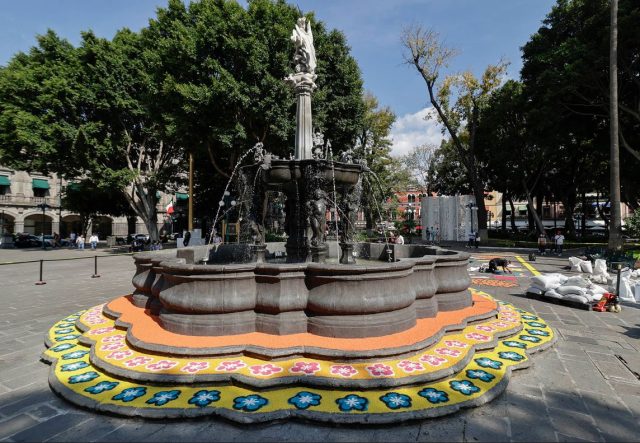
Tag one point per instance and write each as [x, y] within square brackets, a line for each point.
[304, 141]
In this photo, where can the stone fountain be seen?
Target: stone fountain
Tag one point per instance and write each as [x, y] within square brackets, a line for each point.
[228, 331]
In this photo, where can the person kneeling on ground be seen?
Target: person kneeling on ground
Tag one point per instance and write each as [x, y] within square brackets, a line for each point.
[503, 263]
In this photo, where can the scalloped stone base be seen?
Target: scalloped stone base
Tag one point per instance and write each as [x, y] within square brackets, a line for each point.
[95, 366]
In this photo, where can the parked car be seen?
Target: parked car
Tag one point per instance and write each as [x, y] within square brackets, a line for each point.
[27, 241]
[49, 241]
[142, 237]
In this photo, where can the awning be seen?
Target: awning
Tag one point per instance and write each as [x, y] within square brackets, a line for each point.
[521, 208]
[40, 184]
[73, 186]
[4, 180]
[182, 196]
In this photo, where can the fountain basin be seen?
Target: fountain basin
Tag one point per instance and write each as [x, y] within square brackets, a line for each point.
[345, 301]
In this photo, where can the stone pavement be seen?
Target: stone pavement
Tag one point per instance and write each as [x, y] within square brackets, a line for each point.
[585, 388]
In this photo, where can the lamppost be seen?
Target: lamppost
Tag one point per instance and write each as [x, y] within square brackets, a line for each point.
[44, 207]
[489, 215]
[472, 207]
[230, 205]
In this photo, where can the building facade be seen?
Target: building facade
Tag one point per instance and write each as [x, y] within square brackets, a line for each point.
[32, 203]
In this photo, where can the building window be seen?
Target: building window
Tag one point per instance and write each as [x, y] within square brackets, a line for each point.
[40, 187]
[411, 198]
[5, 185]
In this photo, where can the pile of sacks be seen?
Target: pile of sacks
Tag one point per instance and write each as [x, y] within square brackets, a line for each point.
[587, 289]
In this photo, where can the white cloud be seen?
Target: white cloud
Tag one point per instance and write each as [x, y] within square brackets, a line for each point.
[413, 130]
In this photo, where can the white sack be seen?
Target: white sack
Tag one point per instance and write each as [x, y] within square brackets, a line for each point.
[578, 298]
[553, 293]
[548, 281]
[575, 264]
[585, 266]
[600, 267]
[576, 280]
[534, 290]
[565, 290]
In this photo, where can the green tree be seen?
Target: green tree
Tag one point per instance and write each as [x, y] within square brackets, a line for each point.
[457, 100]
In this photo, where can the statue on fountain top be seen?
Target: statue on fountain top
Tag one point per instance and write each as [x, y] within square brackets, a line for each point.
[304, 57]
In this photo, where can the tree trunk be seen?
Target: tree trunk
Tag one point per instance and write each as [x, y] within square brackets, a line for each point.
[514, 229]
[504, 212]
[569, 202]
[531, 210]
[615, 230]
[583, 225]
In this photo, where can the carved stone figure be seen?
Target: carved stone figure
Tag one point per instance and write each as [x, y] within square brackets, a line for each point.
[317, 209]
[305, 55]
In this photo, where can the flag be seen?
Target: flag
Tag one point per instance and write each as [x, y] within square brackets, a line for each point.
[170, 208]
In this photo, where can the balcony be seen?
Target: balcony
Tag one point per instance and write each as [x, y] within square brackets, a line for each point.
[18, 200]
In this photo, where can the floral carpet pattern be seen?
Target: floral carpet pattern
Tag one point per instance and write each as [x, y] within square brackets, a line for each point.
[489, 350]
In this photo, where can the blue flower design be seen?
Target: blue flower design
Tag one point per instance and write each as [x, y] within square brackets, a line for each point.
[130, 394]
[529, 338]
[249, 403]
[434, 396]
[486, 362]
[82, 378]
[351, 402]
[163, 397]
[62, 347]
[529, 317]
[510, 356]
[515, 344]
[464, 387]
[393, 400]
[67, 337]
[63, 331]
[480, 375]
[536, 324]
[65, 325]
[204, 398]
[74, 366]
[101, 387]
[75, 354]
[304, 399]
[538, 332]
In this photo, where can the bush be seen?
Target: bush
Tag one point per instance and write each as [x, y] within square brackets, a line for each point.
[633, 224]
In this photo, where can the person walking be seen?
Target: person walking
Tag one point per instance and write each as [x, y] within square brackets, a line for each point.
[94, 241]
[471, 239]
[477, 239]
[80, 241]
[72, 240]
[542, 244]
[400, 240]
[559, 238]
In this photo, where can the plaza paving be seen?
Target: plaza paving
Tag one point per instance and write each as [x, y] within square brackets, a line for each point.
[585, 388]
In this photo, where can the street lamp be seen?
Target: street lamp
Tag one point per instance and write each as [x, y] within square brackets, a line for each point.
[44, 207]
[472, 207]
[230, 205]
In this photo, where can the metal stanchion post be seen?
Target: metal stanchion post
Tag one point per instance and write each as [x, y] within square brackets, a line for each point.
[95, 267]
[41, 282]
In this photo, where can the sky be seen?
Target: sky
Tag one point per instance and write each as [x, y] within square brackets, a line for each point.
[482, 31]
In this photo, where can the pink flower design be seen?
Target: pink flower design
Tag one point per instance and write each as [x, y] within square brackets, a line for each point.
[101, 331]
[485, 328]
[120, 355]
[455, 344]
[310, 367]
[195, 366]
[344, 370]
[112, 347]
[267, 369]
[113, 339]
[230, 365]
[447, 351]
[96, 321]
[501, 324]
[410, 366]
[476, 336]
[162, 365]
[433, 360]
[137, 361]
[379, 370]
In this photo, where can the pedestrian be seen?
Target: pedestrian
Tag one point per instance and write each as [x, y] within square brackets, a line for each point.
[472, 239]
[542, 243]
[400, 240]
[437, 236]
[477, 239]
[80, 241]
[94, 241]
[56, 240]
[559, 238]
[72, 240]
[503, 263]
